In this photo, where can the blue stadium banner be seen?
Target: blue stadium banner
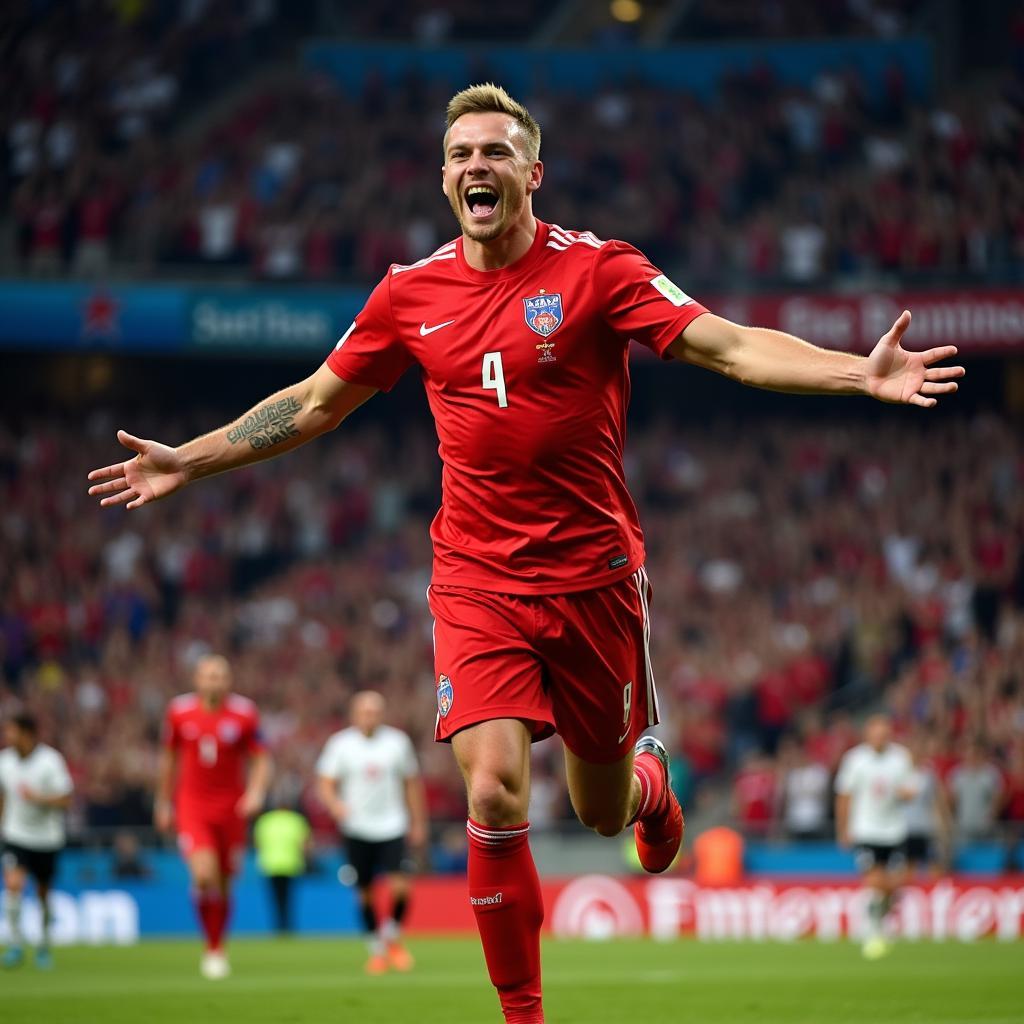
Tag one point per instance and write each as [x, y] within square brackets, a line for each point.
[243, 319]
[699, 69]
[255, 319]
[66, 317]
[260, 319]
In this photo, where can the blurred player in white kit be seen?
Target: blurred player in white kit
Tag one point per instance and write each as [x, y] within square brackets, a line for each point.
[35, 792]
[369, 780]
[875, 780]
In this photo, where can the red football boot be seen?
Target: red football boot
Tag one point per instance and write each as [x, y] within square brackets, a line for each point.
[660, 834]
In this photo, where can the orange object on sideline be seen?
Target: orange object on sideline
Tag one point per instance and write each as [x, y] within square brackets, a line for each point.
[718, 857]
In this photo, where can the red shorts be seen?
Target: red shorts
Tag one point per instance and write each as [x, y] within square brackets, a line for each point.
[224, 832]
[576, 664]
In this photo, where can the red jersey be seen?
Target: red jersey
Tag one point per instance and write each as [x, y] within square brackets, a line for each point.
[213, 749]
[527, 375]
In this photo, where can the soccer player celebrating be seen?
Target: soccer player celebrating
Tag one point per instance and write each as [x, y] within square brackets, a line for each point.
[521, 330]
[210, 737]
[368, 778]
[35, 791]
[874, 781]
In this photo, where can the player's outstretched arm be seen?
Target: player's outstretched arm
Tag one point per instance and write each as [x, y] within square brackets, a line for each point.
[327, 791]
[282, 422]
[842, 813]
[163, 808]
[780, 362]
[255, 795]
[416, 801]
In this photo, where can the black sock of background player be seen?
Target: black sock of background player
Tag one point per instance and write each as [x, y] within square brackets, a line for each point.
[370, 917]
[398, 908]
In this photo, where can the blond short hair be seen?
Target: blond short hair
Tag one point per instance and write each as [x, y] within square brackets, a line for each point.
[492, 99]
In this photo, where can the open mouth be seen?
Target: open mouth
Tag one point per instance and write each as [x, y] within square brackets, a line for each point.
[482, 201]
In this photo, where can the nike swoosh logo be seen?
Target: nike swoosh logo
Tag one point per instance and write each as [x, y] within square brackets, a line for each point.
[425, 330]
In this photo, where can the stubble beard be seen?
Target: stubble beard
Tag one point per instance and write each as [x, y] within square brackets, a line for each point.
[510, 201]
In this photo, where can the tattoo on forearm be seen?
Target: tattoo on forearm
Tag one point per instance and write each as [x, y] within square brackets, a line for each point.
[269, 425]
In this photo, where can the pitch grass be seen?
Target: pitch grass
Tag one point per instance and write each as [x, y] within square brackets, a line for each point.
[310, 980]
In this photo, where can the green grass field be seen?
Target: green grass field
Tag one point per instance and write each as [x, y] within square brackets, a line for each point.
[322, 981]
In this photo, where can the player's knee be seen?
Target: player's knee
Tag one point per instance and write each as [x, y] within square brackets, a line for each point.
[206, 879]
[604, 821]
[14, 881]
[609, 827]
[492, 801]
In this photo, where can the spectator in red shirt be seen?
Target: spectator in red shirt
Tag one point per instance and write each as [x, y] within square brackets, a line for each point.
[95, 225]
[702, 741]
[46, 218]
[1013, 807]
[754, 795]
[773, 707]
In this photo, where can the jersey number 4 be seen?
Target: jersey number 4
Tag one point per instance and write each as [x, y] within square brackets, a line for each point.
[494, 377]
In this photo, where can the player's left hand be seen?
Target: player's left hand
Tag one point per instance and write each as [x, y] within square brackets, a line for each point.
[27, 793]
[895, 375]
[418, 836]
[250, 804]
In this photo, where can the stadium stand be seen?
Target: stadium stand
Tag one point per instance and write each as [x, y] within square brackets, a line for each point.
[428, 22]
[892, 571]
[831, 570]
[828, 183]
[728, 19]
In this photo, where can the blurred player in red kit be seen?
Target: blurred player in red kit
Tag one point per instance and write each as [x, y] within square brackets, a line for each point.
[521, 331]
[211, 743]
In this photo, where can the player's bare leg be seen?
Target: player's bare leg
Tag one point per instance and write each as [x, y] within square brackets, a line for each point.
[44, 958]
[14, 888]
[400, 887]
[605, 797]
[211, 890]
[504, 889]
[378, 960]
[882, 885]
[633, 790]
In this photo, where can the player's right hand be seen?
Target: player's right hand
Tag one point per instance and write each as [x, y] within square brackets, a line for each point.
[156, 471]
[163, 816]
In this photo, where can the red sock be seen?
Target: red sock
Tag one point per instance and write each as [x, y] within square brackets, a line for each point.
[213, 913]
[505, 893]
[220, 913]
[202, 905]
[653, 792]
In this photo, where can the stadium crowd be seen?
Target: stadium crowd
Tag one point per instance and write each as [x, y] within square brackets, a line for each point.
[429, 22]
[800, 576]
[87, 92]
[300, 180]
[788, 19]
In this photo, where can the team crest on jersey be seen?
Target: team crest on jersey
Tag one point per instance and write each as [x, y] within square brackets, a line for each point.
[543, 313]
[229, 731]
[445, 695]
